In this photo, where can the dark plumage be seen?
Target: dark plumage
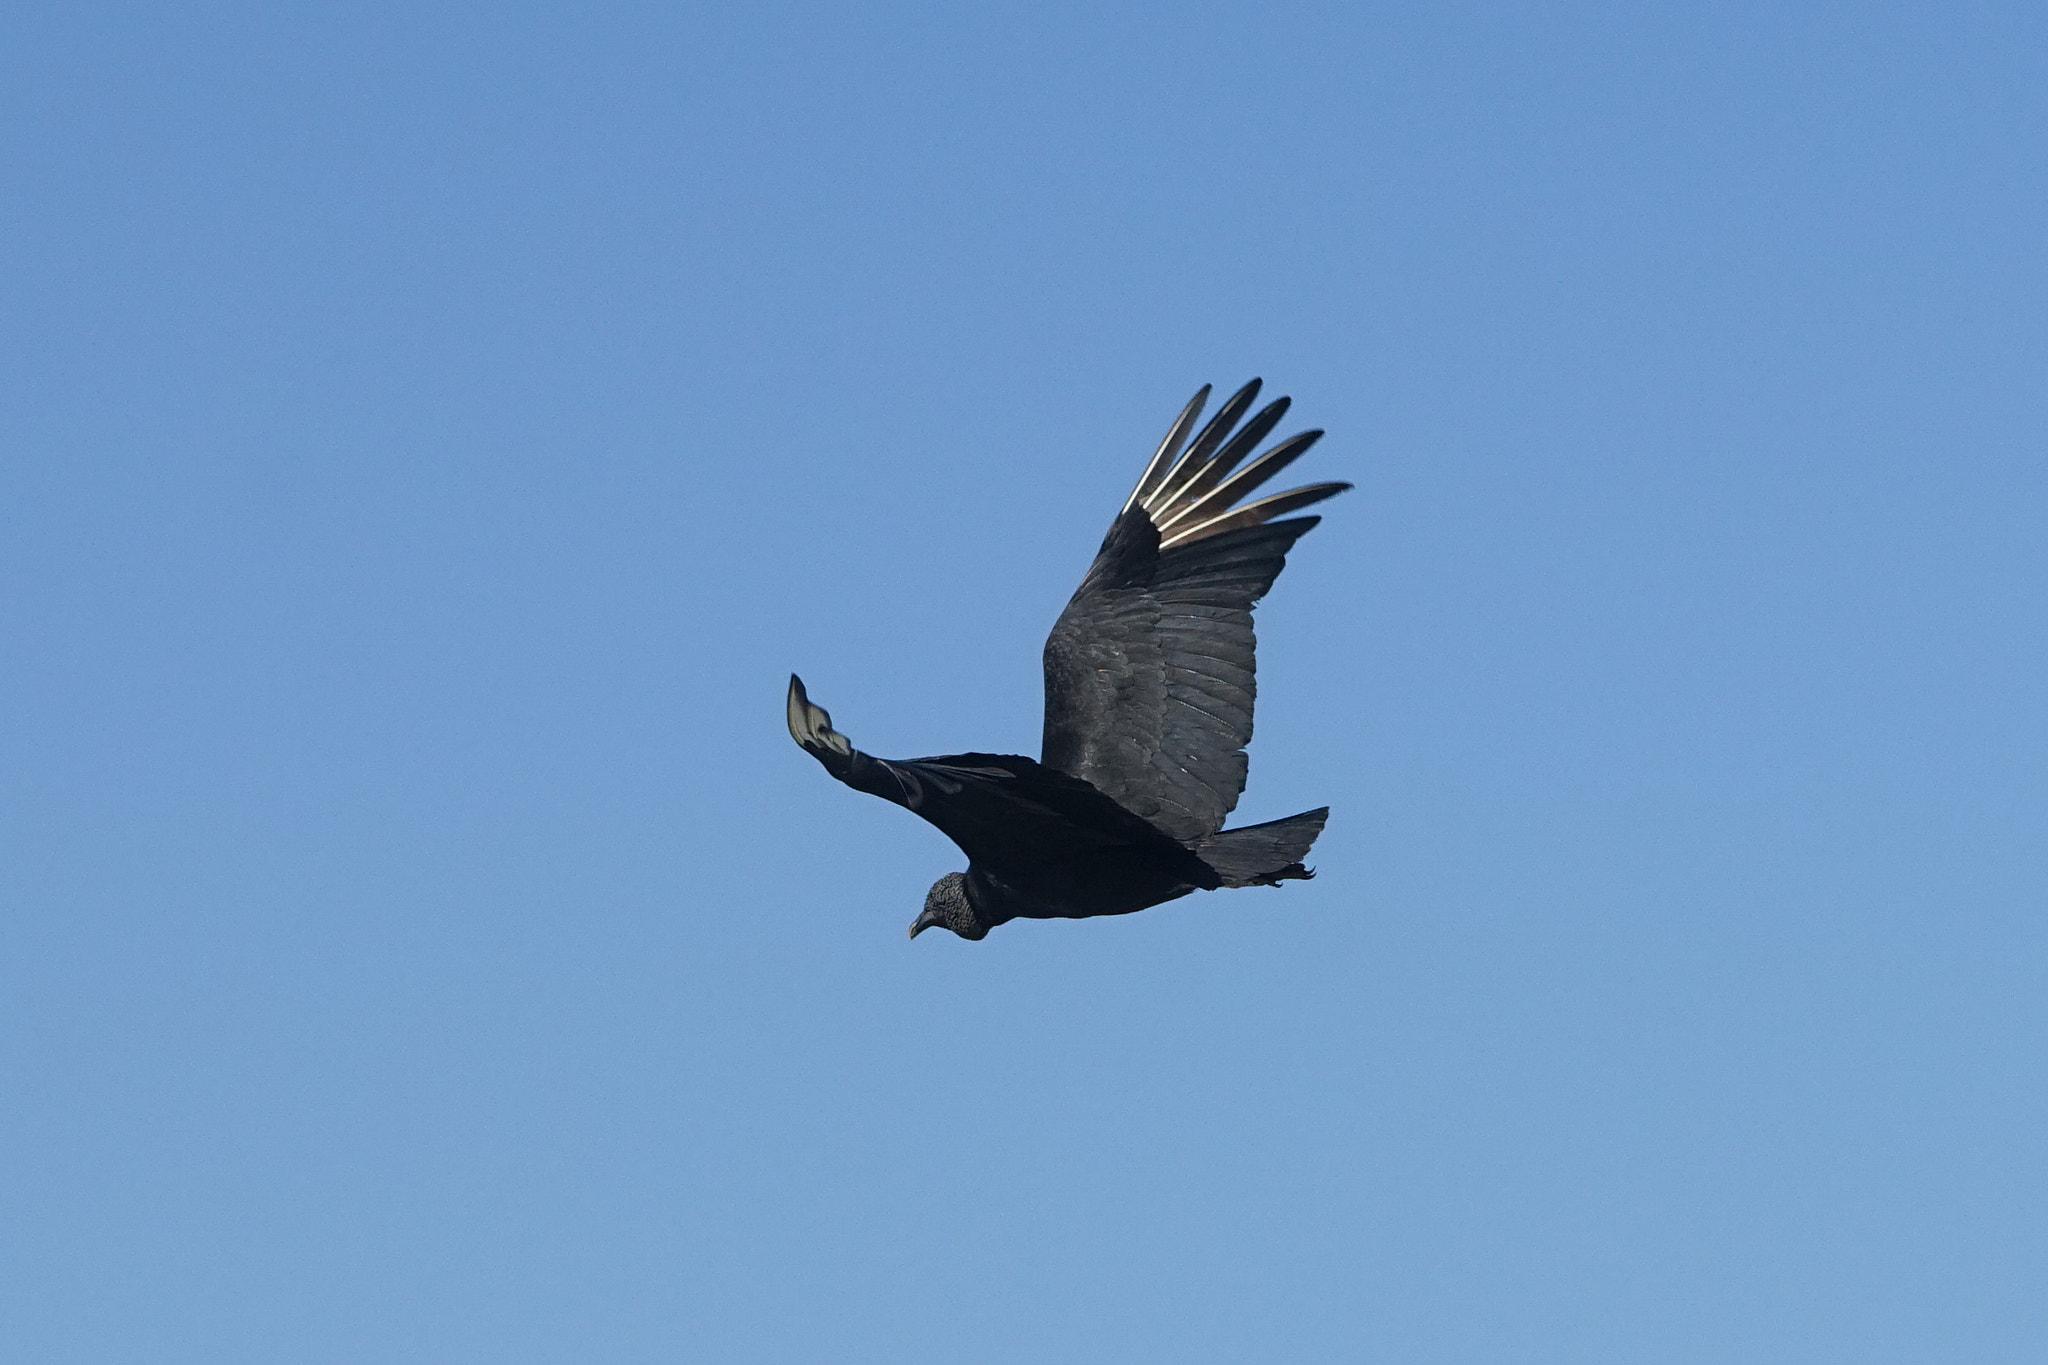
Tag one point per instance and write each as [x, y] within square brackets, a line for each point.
[1148, 707]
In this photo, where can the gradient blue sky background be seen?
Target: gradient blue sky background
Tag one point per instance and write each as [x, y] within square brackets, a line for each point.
[432, 434]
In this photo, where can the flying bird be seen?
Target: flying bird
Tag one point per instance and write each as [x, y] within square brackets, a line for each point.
[1148, 706]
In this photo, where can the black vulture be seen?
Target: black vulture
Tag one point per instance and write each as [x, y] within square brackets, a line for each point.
[1148, 707]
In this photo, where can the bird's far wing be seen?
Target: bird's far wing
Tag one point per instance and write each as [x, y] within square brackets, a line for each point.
[1149, 672]
[1005, 810]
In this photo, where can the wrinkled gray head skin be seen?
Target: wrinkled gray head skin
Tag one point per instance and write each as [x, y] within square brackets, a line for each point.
[946, 907]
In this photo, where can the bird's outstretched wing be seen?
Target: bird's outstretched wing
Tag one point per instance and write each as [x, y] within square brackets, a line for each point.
[1005, 811]
[1149, 673]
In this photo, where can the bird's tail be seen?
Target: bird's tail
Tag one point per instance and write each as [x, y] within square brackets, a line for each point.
[1193, 494]
[1264, 855]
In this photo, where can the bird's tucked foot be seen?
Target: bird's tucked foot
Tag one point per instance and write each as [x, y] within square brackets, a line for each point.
[1293, 872]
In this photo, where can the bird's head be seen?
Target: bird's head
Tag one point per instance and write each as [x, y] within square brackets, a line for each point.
[946, 907]
[811, 727]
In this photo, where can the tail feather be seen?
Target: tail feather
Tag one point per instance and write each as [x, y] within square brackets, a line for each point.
[1264, 855]
[1194, 494]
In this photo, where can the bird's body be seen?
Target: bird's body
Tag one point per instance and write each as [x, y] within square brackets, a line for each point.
[1149, 686]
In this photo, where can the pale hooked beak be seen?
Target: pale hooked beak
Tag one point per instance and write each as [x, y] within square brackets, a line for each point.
[811, 726]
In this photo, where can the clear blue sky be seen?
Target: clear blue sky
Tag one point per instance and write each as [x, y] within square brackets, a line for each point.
[432, 434]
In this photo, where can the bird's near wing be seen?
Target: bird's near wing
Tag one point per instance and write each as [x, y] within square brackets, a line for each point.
[1007, 812]
[1149, 675]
